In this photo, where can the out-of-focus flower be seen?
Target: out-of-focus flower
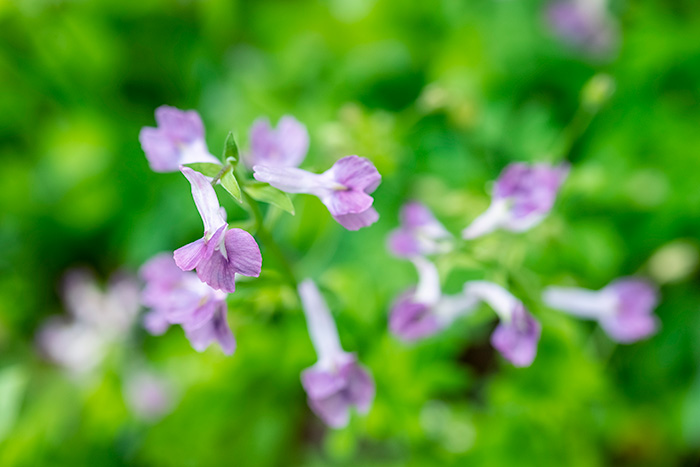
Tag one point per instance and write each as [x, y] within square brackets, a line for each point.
[624, 308]
[284, 146]
[178, 140]
[424, 311]
[220, 254]
[177, 297]
[518, 333]
[523, 195]
[98, 319]
[420, 233]
[148, 395]
[337, 381]
[585, 24]
[345, 188]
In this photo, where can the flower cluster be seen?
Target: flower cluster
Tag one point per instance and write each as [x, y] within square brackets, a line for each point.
[523, 196]
[98, 319]
[197, 300]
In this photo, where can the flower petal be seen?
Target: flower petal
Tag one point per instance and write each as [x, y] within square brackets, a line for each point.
[322, 329]
[179, 125]
[320, 383]
[292, 180]
[189, 256]
[410, 320]
[517, 340]
[359, 220]
[243, 252]
[333, 410]
[160, 151]
[205, 199]
[356, 173]
[342, 202]
[215, 329]
[218, 273]
[360, 388]
[293, 138]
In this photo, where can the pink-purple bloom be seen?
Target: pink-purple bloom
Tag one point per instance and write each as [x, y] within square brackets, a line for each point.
[178, 297]
[337, 381]
[178, 140]
[523, 195]
[98, 319]
[284, 146]
[518, 333]
[585, 24]
[221, 253]
[624, 308]
[345, 188]
[424, 311]
[419, 234]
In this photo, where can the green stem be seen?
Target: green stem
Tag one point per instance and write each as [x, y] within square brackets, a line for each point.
[268, 241]
[221, 173]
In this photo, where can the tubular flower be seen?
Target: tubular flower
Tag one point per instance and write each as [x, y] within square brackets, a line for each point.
[337, 381]
[585, 24]
[97, 319]
[345, 188]
[624, 308]
[177, 297]
[518, 333]
[178, 140]
[220, 254]
[284, 146]
[523, 196]
[420, 233]
[422, 312]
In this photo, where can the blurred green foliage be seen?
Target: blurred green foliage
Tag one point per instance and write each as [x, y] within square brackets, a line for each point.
[440, 95]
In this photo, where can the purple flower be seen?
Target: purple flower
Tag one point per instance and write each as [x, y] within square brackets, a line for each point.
[148, 395]
[523, 196]
[337, 381]
[422, 312]
[345, 188]
[518, 333]
[285, 146]
[420, 234]
[221, 253]
[624, 308]
[178, 140]
[98, 319]
[178, 297]
[585, 24]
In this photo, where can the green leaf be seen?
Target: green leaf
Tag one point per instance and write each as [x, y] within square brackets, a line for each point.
[230, 184]
[12, 383]
[266, 194]
[231, 149]
[206, 168]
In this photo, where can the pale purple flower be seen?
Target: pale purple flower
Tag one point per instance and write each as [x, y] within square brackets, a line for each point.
[220, 254]
[178, 297]
[522, 197]
[98, 318]
[148, 395]
[420, 233]
[337, 381]
[284, 146]
[178, 140]
[585, 24]
[518, 333]
[345, 188]
[424, 311]
[624, 308]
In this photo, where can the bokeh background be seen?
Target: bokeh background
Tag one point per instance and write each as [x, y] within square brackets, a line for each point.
[440, 96]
